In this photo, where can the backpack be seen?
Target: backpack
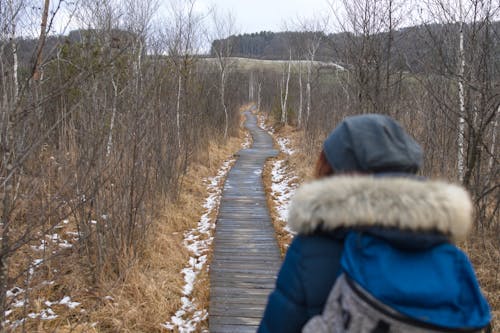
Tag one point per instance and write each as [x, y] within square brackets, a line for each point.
[350, 308]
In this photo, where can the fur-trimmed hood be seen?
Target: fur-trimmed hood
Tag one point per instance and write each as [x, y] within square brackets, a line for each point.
[405, 203]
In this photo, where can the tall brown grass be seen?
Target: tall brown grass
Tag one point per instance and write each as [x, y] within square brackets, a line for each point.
[150, 291]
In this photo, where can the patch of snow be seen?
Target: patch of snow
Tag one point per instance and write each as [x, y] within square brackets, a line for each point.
[248, 141]
[284, 144]
[37, 262]
[67, 301]
[41, 247]
[284, 182]
[65, 244]
[14, 292]
[54, 237]
[19, 304]
[47, 314]
[48, 283]
[16, 323]
[198, 242]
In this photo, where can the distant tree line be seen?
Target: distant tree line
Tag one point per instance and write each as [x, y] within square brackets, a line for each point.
[412, 46]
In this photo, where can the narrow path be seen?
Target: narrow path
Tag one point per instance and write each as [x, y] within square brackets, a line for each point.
[246, 256]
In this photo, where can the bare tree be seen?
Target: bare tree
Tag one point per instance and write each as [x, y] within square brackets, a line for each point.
[284, 88]
[465, 49]
[314, 36]
[223, 30]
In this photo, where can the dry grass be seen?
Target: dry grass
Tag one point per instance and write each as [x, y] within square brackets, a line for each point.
[150, 292]
[483, 249]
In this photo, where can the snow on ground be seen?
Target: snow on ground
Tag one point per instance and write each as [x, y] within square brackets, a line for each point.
[199, 241]
[284, 144]
[283, 187]
[248, 141]
[19, 299]
[284, 181]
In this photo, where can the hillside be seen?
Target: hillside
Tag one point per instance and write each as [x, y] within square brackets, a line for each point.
[411, 46]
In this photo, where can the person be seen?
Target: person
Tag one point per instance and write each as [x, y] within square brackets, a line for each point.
[368, 215]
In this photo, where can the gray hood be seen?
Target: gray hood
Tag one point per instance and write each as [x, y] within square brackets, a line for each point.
[372, 143]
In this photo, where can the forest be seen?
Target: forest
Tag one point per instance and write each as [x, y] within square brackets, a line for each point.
[105, 127]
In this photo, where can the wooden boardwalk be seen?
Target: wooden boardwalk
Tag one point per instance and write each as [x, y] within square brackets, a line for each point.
[246, 256]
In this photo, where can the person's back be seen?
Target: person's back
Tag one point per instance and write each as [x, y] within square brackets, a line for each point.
[383, 228]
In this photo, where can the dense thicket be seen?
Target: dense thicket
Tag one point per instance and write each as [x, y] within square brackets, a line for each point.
[97, 130]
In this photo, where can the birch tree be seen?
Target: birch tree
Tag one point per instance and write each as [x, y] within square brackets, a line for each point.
[461, 96]
[314, 35]
[464, 86]
[182, 47]
[222, 48]
[284, 87]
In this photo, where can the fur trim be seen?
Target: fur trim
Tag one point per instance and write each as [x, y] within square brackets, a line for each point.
[342, 201]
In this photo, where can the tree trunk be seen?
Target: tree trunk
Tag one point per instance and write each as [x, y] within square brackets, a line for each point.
[41, 42]
[15, 61]
[491, 161]
[308, 90]
[113, 115]
[284, 118]
[461, 97]
[259, 98]
[178, 109]
[223, 101]
[301, 98]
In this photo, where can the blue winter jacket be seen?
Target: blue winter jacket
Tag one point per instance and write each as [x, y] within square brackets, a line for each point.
[393, 236]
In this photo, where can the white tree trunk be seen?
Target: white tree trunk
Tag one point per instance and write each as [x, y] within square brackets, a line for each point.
[284, 118]
[308, 90]
[223, 101]
[138, 65]
[113, 116]
[178, 108]
[251, 88]
[461, 97]
[259, 97]
[15, 64]
[301, 98]
[491, 161]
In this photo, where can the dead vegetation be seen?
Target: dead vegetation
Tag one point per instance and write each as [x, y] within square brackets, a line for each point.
[146, 293]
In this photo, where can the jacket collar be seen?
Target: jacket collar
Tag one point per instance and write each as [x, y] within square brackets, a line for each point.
[364, 201]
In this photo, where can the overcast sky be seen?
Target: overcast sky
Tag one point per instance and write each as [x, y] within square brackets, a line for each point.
[262, 15]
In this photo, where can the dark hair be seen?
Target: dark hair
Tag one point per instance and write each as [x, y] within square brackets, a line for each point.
[323, 168]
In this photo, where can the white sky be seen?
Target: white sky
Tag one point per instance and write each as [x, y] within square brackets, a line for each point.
[267, 15]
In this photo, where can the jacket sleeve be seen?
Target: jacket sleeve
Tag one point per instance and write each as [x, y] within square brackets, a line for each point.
[286, 309]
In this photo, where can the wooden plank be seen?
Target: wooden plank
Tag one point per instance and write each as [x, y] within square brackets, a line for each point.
[237, 311]
[242, 299]
[232, 328]
[230, 320]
